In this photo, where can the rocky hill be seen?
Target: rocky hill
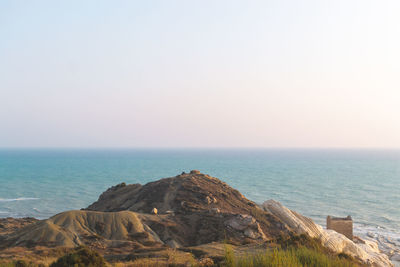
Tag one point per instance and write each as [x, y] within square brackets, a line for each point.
[186, 193]
[75, 228]
[193, 209]
[193, 212]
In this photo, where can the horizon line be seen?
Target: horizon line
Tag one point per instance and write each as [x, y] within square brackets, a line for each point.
[194, 148]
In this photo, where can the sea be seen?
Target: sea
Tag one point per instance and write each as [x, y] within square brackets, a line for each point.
[364, 184]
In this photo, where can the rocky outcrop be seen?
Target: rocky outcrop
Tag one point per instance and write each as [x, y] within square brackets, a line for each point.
[190, 211]
[246, 225]
[364, 250]
[187, 210]
[199, 208]
[185, 193]
[96, 229]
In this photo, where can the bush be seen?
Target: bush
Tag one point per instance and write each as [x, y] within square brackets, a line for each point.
[81, 257]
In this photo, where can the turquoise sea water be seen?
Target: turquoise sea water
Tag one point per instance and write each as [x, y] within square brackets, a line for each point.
[362, 183]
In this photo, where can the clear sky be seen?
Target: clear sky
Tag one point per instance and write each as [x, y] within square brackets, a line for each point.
[200, 73]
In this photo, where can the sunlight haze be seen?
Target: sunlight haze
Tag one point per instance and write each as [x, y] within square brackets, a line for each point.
[200, 74]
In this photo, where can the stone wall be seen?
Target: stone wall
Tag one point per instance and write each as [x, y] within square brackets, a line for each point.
[343, 226]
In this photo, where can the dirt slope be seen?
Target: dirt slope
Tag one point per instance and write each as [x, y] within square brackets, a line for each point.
[73, 228]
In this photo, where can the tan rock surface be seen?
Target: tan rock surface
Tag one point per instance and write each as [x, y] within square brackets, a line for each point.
[73, 228]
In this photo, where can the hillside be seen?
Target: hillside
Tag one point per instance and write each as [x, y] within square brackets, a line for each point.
[75, 228]
[194, 214]
[199, 209]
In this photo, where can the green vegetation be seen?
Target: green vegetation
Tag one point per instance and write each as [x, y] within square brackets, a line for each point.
[81, 257]
[286, 251]
[294, 257]
[288, 256]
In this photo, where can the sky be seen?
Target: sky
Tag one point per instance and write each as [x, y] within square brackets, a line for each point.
[268, 74]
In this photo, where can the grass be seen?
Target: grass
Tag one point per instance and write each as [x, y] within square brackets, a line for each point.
[169, 258]
[289, 257]
[286, 251]
[19, 263]
[300, 256]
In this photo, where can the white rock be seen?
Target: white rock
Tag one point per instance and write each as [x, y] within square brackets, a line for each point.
[247, 225]
[216, 210]
[154, 211]
[366, 251]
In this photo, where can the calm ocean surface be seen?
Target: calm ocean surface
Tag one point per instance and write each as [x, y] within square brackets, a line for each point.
[362, 183]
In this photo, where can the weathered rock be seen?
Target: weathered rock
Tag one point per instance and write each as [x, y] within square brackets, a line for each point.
[74, 228]
[247, 225]
[396, 257]
[241, 221]
[202, 205]
[364, 250]
[190, 211]
[185, 193]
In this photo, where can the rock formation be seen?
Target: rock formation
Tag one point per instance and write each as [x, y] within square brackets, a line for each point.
[192, 211]
[187, 210]
[96, 229]
[364, 250]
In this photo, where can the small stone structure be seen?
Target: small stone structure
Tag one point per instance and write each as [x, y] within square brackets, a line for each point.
[343, 226]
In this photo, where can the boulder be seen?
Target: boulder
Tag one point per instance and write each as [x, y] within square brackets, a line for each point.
[246, 225]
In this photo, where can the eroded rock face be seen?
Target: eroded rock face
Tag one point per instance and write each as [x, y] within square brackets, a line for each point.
[185, 193]
[96, 229]
[187, 210]
[204, 210]
[363, 250]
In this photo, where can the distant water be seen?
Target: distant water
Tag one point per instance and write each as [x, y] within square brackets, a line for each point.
[362, 183]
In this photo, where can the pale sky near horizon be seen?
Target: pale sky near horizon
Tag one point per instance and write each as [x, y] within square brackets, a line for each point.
[200, 73]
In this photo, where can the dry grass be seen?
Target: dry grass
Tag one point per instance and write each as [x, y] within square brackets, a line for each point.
[170, 257]
[290, 257]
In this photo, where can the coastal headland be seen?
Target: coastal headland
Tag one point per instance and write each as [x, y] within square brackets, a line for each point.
[190, 219]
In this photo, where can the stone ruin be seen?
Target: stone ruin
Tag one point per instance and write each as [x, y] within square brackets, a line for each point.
[343, 226]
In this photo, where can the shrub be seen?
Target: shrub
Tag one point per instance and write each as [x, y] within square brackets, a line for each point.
[81, 257]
